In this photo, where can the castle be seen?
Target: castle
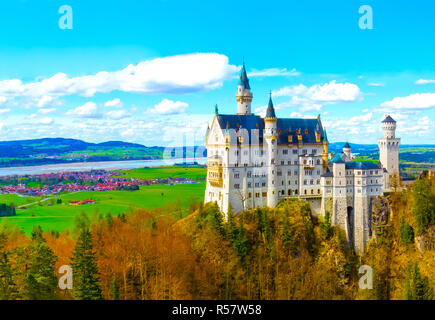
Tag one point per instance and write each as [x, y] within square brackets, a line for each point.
[255, 162]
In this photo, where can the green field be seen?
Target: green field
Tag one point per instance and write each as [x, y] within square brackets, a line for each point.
[170, 198]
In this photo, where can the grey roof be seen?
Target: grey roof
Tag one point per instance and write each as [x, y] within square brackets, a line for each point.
[388, 119]
[346, 145]
[244, 78]
[270, 113]
[285, 127]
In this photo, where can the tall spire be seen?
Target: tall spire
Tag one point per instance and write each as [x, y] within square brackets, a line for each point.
[216, 111]
[270, 113]
[244, 81]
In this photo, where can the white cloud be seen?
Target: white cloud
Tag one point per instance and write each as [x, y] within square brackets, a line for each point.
[413, 101]
[5, 110]
[376, 84]
[115, 103]
[88, 110]
[273, 72]
[314, 97]
[424, 81]
[46, 110]
[175, 74]
[167, 106]
[117, 114]
[44, 121]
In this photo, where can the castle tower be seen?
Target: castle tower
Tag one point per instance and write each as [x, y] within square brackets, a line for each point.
[346, 151]
[270, 137]
[244, 95]
[389, 147]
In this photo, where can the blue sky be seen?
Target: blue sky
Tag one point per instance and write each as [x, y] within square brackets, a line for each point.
[151, 71]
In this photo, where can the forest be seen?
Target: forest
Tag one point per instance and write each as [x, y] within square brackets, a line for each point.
[263, 253]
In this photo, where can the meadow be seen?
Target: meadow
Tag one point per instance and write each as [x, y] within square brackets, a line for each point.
[51, 215]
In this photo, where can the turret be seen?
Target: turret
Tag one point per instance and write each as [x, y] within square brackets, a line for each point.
[389, 149]
[346, 151]
[244, 95]
[270, 136]
[389, 127]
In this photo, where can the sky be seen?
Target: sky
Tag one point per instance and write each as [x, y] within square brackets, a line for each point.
[151, 72]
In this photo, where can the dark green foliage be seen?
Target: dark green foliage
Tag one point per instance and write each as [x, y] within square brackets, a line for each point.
[326, 227]
[114, 289]
[40, 280]
[7, 211]
[424, 205]
[406, 233]
[417, 287]
[85, 269]
[241, 243]
[288, 233]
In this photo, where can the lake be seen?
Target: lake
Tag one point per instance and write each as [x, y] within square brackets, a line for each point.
[88, 166]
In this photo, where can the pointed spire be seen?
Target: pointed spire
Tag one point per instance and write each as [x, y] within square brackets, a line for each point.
[325, 136]
[216, 111]
[244, 81]
[270, 113]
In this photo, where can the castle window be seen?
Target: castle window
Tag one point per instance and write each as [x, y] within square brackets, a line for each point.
[249, 184]
[257, 184]
[296, 172]
[318, 191]
[249, 174]
[304, 151]
[257, 194]
[296, 191]
[236, 175]
[295, 151]
[318, 161]
[318, 181]
[311, 182]
[249, 195]
[314, 151]
[305, 191]
[296, 162]
[237, 186]
[264, 194]
[289, 182]
[289, 173]
[312, 191]
[263, 184]
[285, 151]
[305, 182]
[289, 162]
[289, 192]
[282, 162]
[296, 182]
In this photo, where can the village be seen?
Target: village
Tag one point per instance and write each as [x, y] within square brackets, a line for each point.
[66, 182]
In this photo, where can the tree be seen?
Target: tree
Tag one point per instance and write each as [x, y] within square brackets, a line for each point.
[424, 205]
[40, 281]
[85, 269]
[417, 286]
[406, 232]
[114, 289]
[8, 289]
[326, 227]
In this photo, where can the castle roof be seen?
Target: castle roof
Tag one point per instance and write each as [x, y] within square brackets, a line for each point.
[362, 165]
[285, 127]
[244, 81]
[347, 145]
[270, 113]
[388, 119]
[338, 158]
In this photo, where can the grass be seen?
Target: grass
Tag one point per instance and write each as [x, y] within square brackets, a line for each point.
[165, 172]
[171, 198]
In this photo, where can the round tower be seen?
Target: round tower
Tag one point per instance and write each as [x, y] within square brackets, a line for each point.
[389, 149]
[243, 95]
[347, 151]
[271, 140]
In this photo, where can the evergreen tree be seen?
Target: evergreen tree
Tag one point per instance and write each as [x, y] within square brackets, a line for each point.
[417, 287]
[326, 227]
[231, 229]
[8, 289]
[114, 289]
[40, 282]
[241, 243]
[406, 233]
[85, 269]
